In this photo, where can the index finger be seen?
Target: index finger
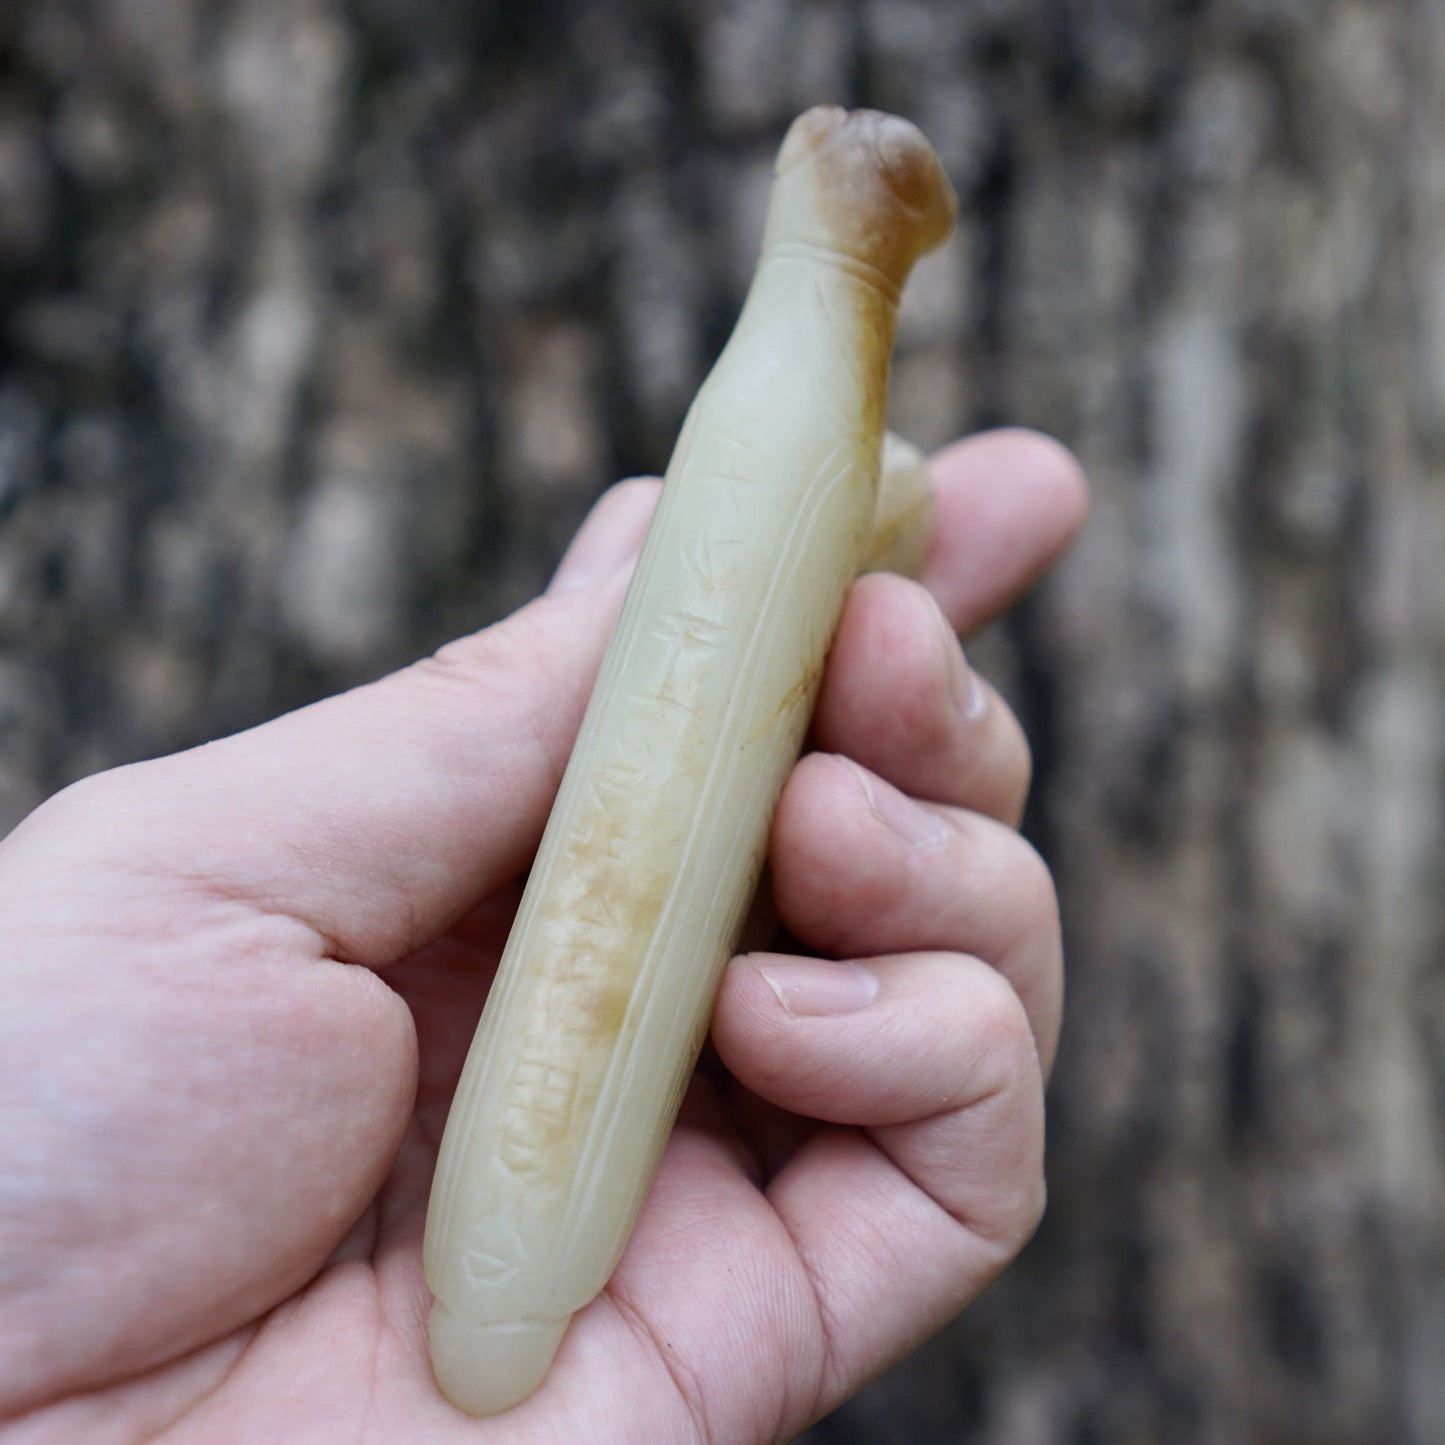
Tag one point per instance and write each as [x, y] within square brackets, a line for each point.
[1009, 505]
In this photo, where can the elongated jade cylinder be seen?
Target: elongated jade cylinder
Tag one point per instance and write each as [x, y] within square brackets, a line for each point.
[660, 827]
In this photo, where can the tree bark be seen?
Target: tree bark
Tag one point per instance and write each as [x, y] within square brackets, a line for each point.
[323, 323]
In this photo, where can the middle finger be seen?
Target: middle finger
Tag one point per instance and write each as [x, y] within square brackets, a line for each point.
[899, 697]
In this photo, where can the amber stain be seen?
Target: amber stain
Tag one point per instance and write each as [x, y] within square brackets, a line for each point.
[878, 188]
[867, 188]
[610, 913]
[796, 696]
[876, 318]
[587, 949]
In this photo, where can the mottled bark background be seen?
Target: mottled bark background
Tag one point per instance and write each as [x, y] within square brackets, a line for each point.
[323, 321]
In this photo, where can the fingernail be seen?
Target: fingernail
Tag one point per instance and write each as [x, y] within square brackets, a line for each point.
[918, 826]
[807, 988]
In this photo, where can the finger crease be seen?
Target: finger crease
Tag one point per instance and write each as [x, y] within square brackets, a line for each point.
[957, 1214]
[687, 1390]
[830, 1365]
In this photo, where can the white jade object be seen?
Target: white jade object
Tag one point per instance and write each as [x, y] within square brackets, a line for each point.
[659, 831]
[903, 517]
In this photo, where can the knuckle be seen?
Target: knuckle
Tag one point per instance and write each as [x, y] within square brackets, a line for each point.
[919, 703]
[77, 801]
[940, 673]
[1030, 1195]
[492, 665]
[1032, 894]
[825, 871]
[81, 819]
[1007, 1082]
[1005, 1054]
[1003, 772]
[1021, 759]
[514, 674]
[1018, 1211]
[465, 660]
[906, 653]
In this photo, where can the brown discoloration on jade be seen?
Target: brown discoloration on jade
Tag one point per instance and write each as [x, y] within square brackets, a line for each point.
[799, 695]
[585, 959]
[863, 193]
[878, 192]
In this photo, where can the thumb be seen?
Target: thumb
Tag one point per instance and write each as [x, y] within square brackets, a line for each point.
[379, 817]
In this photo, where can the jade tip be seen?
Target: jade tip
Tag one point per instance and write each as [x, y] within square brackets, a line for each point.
[484, 1369]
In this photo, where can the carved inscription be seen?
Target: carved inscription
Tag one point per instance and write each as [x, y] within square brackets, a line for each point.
[541, 1093]
[621, 849]
[624, 840]
[490, 1268]
[603, 912]
[705, 555]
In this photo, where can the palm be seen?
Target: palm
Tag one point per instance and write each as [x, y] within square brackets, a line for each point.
[352, 1337]
[708, 1234]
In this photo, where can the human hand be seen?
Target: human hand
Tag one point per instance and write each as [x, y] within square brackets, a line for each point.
[240, 983]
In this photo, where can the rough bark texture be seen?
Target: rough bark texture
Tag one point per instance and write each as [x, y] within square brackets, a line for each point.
[323, 322]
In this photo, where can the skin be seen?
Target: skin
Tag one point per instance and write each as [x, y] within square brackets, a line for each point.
[240, 981]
